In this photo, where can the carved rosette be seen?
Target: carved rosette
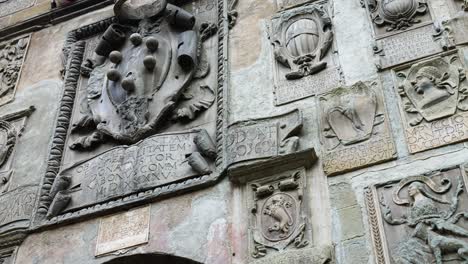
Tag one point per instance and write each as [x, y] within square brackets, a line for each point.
[301, 38]
[396, 14]
[420, 219]
[433, 89]
[277, 219]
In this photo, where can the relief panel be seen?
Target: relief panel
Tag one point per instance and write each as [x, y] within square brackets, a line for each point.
[420, 219]
[302, 44]
[12, 55]
[11, 6]
[354, 128]
[143, 107]
[433, 101]
[277, 213]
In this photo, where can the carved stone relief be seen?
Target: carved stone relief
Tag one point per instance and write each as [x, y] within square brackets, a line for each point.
[11, 6]
[149, 110]
[420, 219]
[433, 101]
[277, 213]
[354, 128]
[397, 15]
[12, 54]
[302, 42]
[263, 138]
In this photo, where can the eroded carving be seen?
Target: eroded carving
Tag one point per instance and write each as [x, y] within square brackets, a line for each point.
[433, 90]
[354, 128]
[423, 220]
[277, 217]
[12, 55]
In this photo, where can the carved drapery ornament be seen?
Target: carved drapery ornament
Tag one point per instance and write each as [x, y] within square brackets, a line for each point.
[301, 39]
[423, 220]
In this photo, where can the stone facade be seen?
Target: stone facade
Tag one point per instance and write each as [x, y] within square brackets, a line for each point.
[233, 131]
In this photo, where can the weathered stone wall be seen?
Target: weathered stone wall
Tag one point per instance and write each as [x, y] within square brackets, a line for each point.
[262, 131]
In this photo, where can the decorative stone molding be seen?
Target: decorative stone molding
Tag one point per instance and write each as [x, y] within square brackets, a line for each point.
[302, 42]
[420, 219]
[433, 101]
[355, 130]
[106, 59]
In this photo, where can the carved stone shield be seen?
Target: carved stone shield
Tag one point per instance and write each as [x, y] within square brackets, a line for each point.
[279, 217]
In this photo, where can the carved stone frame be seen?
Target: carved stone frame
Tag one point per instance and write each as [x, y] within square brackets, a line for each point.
[73, 53]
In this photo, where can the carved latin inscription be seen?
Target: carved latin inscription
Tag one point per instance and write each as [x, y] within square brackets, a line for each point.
[354, 128]
[434, 102]
[12, 54]
[17, 205]
[123, 230]
[406, 46]
[277, 214]
[155, 161]
[263, 138]
[420, 219]
[11, 6]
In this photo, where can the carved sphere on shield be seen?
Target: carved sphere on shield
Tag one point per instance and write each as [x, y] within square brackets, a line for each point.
[136, 39]
[149, 62]
[128, 84]
[113, 75]
[152, 43]
[302, 37]
[115, 57]
[398, 8]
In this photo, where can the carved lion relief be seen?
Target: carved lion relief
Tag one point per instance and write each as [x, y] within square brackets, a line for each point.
[354, 118]
[302, 41]
[12, 54]
[420, 219]
[397, 15]
[277, 216]
[432, 91]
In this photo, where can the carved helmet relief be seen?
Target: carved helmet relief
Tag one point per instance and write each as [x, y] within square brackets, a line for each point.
[350, 114]
[301, 39]
[433, 89]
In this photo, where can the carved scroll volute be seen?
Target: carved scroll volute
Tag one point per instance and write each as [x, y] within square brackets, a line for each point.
[302, 39]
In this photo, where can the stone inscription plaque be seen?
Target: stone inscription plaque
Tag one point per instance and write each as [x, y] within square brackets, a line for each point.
[292, 90]
[433, 102]
[122, 170]
[354, 128]
[420, 219]
[17, 205]
[406, 46]
[263, 138]
[123, 230]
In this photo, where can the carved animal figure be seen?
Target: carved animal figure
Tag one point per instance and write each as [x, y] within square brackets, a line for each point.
[277, 210]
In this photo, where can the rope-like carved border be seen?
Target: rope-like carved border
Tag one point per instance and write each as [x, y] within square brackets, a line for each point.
[73, 53]
[374, 225]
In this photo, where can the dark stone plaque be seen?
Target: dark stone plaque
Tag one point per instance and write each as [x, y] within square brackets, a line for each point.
[433, 101]
[355, 128]
[420, 219]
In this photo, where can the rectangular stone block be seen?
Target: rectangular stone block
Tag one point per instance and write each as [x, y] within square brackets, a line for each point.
[123, 230]
[11, 6]
[433, 101]
[354, 128]
[420, 218]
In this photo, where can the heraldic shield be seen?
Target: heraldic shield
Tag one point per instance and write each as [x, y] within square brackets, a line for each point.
[141, 67]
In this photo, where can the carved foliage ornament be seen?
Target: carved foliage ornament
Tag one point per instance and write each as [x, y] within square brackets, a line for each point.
[11, 60]
[301, 39]
[277, 214]
[396, 14]
[433, 89]
[423, 220]
[141, 75]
